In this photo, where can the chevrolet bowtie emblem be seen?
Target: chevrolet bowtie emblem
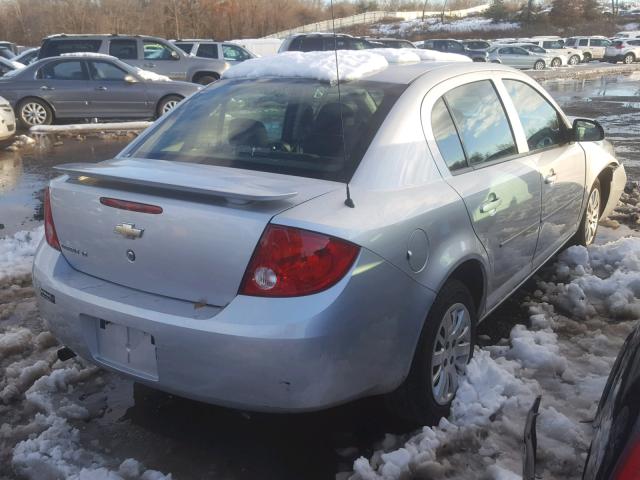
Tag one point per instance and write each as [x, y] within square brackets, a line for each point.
[128, 230]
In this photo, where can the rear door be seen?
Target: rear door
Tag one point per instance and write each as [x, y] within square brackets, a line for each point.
[561, 164]
[500, 189]
[65, 85]
[114, 97]
[598, 47]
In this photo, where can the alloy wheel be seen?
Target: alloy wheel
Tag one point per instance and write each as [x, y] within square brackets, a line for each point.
[451, 352]
[574, 60]
[592, 216]
[556, 62]
[169, 105]
[628, 59]
[539, 65]
[34, 114]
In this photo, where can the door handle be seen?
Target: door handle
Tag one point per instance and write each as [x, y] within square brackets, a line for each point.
[491, 205]
[150, 65]
[551, 178]
[101, 88]
[46, 87]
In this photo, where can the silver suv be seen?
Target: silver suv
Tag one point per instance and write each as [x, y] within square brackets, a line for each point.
[592, 47]
[149, 53]
[624, 50]
[210, 49]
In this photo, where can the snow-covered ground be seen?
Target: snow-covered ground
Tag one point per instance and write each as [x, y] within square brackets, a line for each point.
[470, 24]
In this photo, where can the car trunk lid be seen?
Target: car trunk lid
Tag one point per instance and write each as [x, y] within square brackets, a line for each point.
[196, 249]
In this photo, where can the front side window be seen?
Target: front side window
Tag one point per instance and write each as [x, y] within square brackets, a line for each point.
[571, 42]
[552, 44]
[208, 50]
[535, 48]
[289, 126]
[233, 53]
[106, 72]
[481, 121]
[519, 51]
[446, 137]
[541, 122]
[124, 49]
[68, 70]
[157, 51]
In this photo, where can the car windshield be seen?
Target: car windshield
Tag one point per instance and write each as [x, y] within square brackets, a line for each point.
[289, 126]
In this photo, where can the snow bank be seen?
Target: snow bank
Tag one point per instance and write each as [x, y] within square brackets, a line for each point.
[469, 24]
[399, 55]
[565, 361]
[16, 252]
[353, 65]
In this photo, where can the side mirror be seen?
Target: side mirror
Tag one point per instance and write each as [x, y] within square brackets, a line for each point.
[175, 55]
[130, 79]
[585, 130]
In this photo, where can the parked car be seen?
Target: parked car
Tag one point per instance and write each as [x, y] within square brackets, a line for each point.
[88, 86]
[231, 53]
[149, 53]
[454, 46]
[614, 453]
[392, 42]
[28, 56]
[476, 44]
[626, 51]
[6, 53]
[7, 121]
[515, 56]
[628, 34]
[7, 66]
[574, 55]
[312, 42]
[593, 48]
[557, 59]
[12, 47]
[228, 263]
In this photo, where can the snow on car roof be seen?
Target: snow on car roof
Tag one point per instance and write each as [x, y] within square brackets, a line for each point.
[87, 54]
[352, 64]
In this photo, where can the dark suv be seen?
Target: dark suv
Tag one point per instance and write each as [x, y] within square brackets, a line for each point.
[454, 46]
[148, 53]
[313, 42]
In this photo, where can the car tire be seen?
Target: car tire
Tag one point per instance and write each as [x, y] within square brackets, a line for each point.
[206, 78]
[539, 65]
[586, 58]
[33, 111]
[590, 218]
[423, 397]
[556, 62]
[574, 60]
[167, 104]
[629, 58]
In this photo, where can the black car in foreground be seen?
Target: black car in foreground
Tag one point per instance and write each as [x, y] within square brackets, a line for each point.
[615, 449]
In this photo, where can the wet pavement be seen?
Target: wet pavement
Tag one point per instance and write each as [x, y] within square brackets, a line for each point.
[194, 440]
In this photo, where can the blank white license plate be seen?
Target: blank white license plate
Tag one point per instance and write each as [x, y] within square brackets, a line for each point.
[127, 349]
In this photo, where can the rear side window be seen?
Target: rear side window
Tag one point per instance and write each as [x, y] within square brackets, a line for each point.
[540, 120]
[67, 70]
[124, 49]
[584, 42]
[481, 121]
[446, 137]
[635, 43]
[311, 44]
[56, 47]
[208, 50]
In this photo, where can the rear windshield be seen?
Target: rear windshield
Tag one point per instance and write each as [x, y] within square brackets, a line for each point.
[56, 47]
[289, 126]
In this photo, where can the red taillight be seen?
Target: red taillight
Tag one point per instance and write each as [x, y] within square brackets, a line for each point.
[619, 47]
[131, 206]
[290, 262]
[629, 466]
[49, 227]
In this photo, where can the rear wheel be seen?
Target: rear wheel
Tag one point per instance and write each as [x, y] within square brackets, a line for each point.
[167, 104]
[629, 58]
[33, 111]
[556, 62]
[444, 349]
[589, 225]
[587, 57]
[539, 65]
[574, 60]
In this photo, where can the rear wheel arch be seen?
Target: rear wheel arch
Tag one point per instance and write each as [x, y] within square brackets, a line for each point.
[200, 75]
[163, 99]
[606, 177]
[471, 272]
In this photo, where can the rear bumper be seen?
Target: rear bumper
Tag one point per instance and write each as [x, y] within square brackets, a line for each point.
[285, 354]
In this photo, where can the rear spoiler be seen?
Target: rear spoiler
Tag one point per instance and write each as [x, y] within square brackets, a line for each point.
[530, 446]
[238, 185]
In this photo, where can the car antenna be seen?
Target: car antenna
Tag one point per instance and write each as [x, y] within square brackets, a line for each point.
[348, 201]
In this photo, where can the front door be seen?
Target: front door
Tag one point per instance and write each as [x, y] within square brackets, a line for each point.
[561, 164]
[162, 59]
[501, 190]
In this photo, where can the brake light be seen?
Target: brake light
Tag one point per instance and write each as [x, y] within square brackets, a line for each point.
[130, 206]
[49, 227]
[290, 262]
[629, 466]
[619, 46]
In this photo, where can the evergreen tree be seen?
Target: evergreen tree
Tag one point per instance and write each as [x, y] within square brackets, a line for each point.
[497, 11]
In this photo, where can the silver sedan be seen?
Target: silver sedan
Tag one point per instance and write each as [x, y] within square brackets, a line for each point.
[88, 86]
[518, 57]
[222, 257]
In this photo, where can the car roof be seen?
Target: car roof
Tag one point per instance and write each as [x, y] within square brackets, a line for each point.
[100, 36]
[200, 40]
[320, 34]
